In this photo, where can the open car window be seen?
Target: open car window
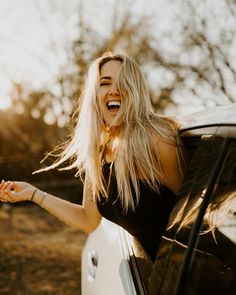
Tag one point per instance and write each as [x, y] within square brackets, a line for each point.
[213, 267]
[206, 177]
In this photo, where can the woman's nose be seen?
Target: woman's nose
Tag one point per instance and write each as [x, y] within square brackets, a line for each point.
[113, 91]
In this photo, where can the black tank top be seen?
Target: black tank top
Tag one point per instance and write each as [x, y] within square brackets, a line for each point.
[149, 220]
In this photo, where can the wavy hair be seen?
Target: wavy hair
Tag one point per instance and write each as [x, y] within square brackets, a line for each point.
[136, 156]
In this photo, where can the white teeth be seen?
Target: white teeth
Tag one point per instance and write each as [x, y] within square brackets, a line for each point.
[113, 103]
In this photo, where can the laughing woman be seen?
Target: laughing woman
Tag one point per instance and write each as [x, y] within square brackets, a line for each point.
[131, 157]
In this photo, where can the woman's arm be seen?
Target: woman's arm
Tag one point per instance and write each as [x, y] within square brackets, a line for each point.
[85, 217]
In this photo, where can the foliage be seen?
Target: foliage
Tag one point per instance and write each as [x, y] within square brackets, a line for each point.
[189, 61]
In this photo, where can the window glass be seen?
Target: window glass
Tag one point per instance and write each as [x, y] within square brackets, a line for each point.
[213, 270]
[171, 253]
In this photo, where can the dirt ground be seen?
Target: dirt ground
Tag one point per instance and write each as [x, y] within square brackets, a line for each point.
[38, 253]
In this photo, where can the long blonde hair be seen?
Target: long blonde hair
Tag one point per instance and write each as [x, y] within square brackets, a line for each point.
[135, 151]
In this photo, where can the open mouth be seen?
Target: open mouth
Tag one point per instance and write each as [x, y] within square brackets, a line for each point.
[113, 106]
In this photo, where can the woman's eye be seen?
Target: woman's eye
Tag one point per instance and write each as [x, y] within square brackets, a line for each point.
[104, 83]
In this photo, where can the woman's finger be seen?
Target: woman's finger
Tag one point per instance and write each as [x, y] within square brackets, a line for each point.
[15, 186]
[3, 188]
[4, 197]
[8, 190]
[1, 184]
[6, 185]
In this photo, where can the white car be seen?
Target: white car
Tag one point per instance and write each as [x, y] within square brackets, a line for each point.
[189, 261]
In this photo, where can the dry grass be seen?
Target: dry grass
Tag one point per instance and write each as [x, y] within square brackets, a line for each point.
[38, 253]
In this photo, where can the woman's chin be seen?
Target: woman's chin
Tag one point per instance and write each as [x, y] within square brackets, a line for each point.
[114, 125]
[113, 122]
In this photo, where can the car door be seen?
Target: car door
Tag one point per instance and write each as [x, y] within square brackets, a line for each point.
[105, 262]
[200, 258]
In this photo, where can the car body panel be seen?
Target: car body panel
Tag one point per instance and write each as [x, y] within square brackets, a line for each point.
[111, 269]
[222, 115]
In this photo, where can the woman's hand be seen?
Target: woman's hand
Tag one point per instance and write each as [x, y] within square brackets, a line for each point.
[15, 191]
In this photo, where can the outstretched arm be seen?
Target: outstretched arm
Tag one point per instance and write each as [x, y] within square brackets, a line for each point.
[85, 217]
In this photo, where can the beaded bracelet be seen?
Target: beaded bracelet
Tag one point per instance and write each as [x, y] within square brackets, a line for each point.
[32, 197]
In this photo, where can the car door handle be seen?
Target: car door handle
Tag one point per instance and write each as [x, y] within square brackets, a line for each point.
[92, 263]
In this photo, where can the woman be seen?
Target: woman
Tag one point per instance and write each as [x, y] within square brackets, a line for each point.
[130, 156]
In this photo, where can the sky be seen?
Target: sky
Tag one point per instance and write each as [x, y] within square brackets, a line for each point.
[35, 36]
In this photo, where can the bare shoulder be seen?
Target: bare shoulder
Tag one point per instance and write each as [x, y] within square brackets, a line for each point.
[167, 152]
[167, 149]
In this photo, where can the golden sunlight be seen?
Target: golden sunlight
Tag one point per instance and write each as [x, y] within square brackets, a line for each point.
[31, 46]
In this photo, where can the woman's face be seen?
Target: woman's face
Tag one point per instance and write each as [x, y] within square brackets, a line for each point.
[108, 93]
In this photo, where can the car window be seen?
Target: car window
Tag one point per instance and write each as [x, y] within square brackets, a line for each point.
[139, 259]
[200, 176]
[213, 269]
[140, 266]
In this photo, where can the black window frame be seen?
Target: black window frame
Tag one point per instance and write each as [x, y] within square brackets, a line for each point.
[194, 233]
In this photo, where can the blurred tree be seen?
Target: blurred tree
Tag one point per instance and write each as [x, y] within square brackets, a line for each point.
[185, 62]
[193, 57]
[26, 137]
[24, 143]
[185, 50]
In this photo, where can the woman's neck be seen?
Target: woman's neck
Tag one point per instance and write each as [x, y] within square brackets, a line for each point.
[111, 141]
[114, 131]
